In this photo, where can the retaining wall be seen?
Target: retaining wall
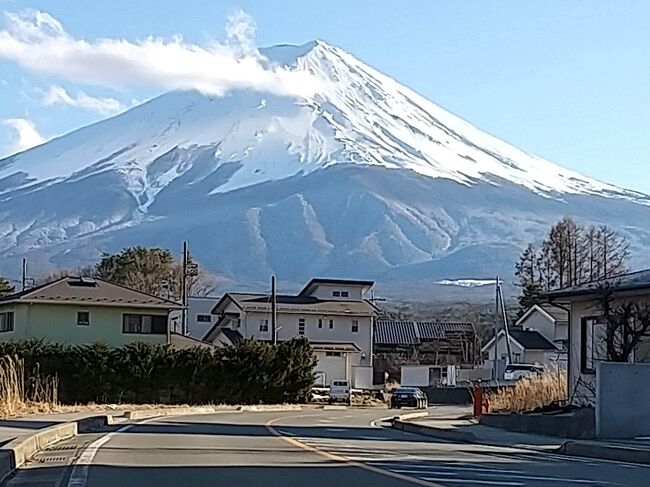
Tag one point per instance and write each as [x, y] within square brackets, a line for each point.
[622, 400]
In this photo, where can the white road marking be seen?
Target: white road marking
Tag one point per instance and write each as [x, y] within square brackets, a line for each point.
[469, 482]
[79, 475]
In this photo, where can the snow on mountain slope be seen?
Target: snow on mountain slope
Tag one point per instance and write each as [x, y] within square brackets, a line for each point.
[364, 178]
[360, 117]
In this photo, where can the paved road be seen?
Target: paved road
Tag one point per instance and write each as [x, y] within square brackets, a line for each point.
[311, 448]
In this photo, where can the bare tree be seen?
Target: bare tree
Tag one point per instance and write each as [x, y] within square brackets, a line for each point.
[626, 323]
[570, 255]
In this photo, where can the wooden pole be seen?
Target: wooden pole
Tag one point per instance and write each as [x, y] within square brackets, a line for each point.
[274, 312]
[184, 290]
[24, 274]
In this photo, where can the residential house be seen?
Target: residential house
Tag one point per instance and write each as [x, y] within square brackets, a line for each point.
[331, 313]
[81, 310]
[199, 316]
[399, 343]
[587, 327]
[550, 320]
[527, 347]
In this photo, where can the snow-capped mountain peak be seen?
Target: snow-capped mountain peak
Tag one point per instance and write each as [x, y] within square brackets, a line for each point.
[362, 177]
[359, 116]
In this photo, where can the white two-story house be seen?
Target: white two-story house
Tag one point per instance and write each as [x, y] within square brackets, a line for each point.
[331, 313]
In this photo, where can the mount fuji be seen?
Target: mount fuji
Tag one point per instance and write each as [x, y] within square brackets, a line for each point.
[363, 178]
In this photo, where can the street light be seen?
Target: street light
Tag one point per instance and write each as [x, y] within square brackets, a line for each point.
[276, 334]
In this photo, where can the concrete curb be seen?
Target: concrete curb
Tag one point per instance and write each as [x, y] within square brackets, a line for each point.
[405, 416]
[606, 452]
[270, 409]
[449, 434]
[155, 413]
[16, 452]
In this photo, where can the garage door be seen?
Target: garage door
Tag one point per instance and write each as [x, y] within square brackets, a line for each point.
[332, 366]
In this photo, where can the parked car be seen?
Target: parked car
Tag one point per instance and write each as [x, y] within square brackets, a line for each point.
[340, 391]
[408, 397]
[518, 371]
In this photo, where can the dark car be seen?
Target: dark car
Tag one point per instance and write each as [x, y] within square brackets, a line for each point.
[408, 397]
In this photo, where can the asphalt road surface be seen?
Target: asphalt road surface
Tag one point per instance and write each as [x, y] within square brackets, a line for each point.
[314, 448]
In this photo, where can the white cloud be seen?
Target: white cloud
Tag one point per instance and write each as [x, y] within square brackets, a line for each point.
[57, 95]
[38, 42]
[25, 134]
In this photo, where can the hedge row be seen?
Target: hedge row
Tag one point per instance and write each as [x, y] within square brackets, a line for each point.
[250, 372]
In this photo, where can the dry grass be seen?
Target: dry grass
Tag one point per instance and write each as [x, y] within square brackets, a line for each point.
[14, 396]
[530, 393]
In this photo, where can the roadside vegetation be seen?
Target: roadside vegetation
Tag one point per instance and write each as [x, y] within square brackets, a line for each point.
[38, 376]
[530, 393]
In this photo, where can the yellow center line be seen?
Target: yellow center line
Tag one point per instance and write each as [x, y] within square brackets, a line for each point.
[338, 458]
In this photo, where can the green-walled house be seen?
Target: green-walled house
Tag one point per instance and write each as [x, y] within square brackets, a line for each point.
[82, 310]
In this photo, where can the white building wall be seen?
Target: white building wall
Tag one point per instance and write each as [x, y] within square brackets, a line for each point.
[539, 322]
[503, 351]
[341, 333]
[582, 385]
[195, 306]
[326, 292]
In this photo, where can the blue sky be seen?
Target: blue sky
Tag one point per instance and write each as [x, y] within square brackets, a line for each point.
[569, 81]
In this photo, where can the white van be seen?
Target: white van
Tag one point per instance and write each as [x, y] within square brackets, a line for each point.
[340, 391]
[519, 371]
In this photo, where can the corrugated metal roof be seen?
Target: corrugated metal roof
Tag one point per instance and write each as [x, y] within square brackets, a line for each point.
[430, 330]
[414, 333]
[395, 333]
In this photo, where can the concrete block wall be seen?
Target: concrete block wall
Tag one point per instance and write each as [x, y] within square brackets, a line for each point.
[622, 400]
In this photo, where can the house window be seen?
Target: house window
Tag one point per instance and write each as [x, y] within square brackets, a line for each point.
[320, 322]
[331, 324]
[592, 344]
[336, 294]
[7, 321]
[345, 294]
[516, 358]
[203, 318]
[355, 326]
[264, 325]
[332, 354]
[83, 318]
[144, 324]
[301, 326]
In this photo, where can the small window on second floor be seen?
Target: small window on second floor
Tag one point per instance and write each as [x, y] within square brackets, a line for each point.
[320, 322]
[203, 318]
[264, 325]
[331, 324]
[301, 326]
[345, 294]
[355, 326]
[83, 318]
[7, 321]
[336, 294]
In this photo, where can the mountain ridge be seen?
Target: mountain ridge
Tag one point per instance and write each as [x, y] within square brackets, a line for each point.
[410, 185]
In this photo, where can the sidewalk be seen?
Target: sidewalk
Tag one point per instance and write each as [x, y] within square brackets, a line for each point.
[468, 430]
[14, 427]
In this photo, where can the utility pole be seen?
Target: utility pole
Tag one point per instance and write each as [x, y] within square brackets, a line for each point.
[496, 329]
[184, 290]
[502, 304]
[274, 312]
[24, 275]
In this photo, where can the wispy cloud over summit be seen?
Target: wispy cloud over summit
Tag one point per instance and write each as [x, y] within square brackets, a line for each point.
[38, 42]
